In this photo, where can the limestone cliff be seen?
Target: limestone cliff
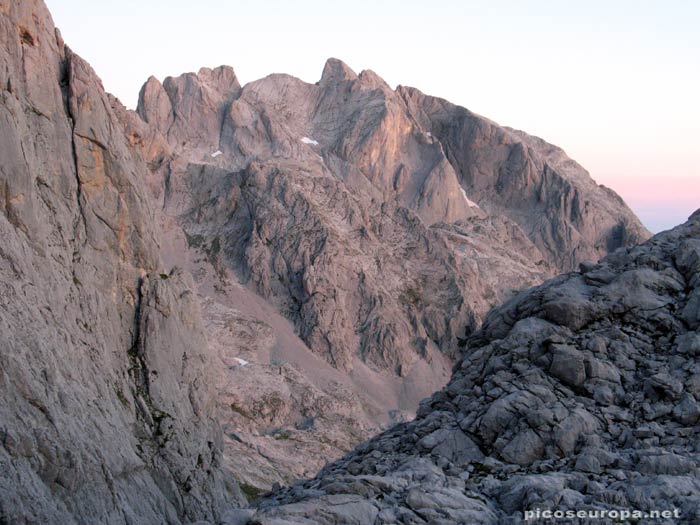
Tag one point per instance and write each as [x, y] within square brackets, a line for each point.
[106, 413]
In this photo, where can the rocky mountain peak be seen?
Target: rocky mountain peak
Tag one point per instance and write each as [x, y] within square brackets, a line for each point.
[369, 78]
[154, 105]
[336, 71]
[188, 110]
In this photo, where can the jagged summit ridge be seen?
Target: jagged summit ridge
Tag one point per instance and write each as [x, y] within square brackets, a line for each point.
[512, 161]
[383, 151]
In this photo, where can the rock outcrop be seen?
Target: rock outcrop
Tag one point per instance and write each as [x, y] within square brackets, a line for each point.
[106, 413]
[579, 394]
[552, 198]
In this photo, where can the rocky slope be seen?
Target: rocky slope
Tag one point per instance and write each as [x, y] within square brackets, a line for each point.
[551, 197]
[106, 413]
[581, 393]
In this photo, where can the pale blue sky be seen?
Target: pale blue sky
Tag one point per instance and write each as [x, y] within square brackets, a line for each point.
[615, 84]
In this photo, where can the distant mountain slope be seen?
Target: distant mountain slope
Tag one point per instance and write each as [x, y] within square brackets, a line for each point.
[382, 224]
[552, 198]
[365, 213]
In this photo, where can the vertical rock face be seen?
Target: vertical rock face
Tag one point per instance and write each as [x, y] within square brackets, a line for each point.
[581, 393]
[189, 109]
[552, 198]
[106, 413]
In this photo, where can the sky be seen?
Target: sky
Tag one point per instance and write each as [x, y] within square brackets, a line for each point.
[615, 84]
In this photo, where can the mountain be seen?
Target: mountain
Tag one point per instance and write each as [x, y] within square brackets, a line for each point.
[233, 285]
[579, 394]
[369, 217]
[382, 224]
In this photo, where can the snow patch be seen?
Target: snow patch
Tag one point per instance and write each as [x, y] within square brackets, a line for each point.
[217, 153]
[242, 362]
[470, 202]
[307, 140]
[429, 134]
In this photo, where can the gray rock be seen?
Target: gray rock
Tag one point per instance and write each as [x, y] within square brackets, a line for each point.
[665, 386]
[672, 464]
[687, 412]
[568, 365]
[525, 448]
[588, 463]
[689, 343]
[106, 413]
[236, 517]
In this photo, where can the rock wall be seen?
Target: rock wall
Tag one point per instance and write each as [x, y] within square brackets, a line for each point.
[106, 410]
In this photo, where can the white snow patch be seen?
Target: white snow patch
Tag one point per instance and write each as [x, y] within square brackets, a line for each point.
[470, 202]
[429, 134]
[242, 362]
[217, 153]
[307, 140]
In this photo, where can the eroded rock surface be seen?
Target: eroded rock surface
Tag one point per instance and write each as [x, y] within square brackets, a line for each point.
[106, 412]
[581, 393]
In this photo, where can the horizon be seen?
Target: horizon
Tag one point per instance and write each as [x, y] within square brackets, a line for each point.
[613, 86]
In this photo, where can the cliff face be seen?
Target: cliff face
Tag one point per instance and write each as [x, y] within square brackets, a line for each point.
[106, 411]
[552, 198]
[581, 393]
